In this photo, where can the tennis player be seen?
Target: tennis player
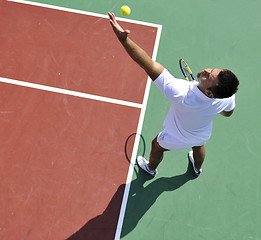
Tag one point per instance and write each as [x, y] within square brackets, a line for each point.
[188, 123]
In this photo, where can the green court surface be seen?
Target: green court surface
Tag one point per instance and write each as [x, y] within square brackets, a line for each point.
[224, 202]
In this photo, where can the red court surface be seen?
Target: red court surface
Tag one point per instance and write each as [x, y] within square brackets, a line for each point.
[70, 50]
[62, 157]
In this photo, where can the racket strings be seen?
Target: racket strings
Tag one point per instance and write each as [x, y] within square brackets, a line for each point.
[186, 70]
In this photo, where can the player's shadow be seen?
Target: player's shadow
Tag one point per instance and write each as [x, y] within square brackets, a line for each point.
[140, 200]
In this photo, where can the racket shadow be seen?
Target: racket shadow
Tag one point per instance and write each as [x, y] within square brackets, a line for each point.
[130, 145]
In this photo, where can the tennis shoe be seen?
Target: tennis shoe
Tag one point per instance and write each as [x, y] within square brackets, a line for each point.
[191, 159]
[143, 164]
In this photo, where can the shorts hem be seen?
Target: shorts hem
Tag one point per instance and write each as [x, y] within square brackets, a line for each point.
[161, 139]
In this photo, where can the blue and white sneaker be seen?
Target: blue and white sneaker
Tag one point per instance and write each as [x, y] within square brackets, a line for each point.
[191, 159]
[143, 164]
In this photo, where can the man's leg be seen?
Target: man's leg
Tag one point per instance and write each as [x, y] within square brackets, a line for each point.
[199, 156]
[156, 155]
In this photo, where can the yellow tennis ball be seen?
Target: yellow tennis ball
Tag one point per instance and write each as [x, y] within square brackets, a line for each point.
[125, 10]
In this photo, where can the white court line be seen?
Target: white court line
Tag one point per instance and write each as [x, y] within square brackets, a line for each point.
[83, 12]
[142, 106]
[136, 143]
[70, 92]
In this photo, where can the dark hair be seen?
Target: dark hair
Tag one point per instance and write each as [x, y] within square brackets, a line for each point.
[227, 84]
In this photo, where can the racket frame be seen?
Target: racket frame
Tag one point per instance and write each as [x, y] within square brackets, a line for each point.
[191, 76]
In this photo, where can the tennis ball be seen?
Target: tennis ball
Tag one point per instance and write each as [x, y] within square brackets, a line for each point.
[125, 10]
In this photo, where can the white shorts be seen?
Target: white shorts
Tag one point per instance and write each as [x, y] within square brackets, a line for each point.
[168, 142]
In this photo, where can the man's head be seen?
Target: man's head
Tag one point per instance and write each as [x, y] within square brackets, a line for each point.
[218, 83]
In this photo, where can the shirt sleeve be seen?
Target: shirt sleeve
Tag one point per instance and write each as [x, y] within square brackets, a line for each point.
[174, 89]
[231, 104]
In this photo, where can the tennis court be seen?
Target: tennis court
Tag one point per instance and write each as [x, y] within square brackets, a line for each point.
[69, 101]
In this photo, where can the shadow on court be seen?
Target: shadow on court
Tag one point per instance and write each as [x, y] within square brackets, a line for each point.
[140, 200]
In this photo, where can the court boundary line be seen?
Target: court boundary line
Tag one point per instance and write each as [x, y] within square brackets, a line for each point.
[69, 92]
[136, 142]
[143, 106]
[65, 9]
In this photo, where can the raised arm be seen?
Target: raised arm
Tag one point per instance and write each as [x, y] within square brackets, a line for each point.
[152, 68]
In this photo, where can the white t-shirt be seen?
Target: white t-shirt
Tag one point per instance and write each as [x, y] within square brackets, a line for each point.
[190, 116]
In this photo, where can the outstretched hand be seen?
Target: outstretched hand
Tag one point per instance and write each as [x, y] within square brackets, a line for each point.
[120, 33]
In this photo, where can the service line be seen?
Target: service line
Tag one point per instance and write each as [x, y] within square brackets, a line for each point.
[70, 92]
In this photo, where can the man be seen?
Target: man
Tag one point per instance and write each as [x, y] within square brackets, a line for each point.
[194, 105]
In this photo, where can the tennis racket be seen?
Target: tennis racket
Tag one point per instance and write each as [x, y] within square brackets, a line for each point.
[185, 69]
